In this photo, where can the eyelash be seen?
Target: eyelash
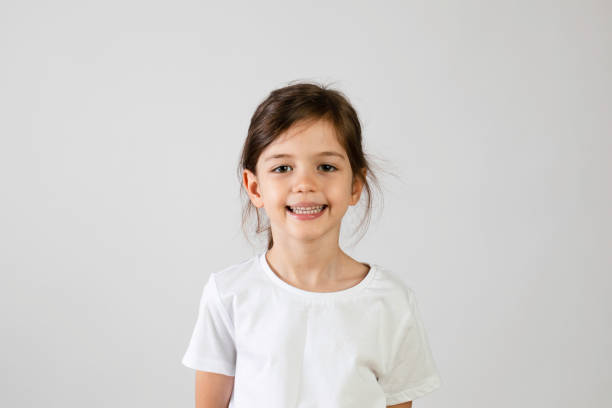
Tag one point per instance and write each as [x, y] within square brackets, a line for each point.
[284, 165]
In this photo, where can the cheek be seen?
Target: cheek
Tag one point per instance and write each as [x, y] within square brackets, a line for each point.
[340, 193]
[277, 199]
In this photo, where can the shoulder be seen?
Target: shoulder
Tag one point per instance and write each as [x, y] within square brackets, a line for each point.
[394, 292]
[237, 281]
[235, 277]
[230, 273]
[392, 284]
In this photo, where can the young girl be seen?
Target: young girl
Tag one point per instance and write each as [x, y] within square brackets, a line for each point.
[302, 324]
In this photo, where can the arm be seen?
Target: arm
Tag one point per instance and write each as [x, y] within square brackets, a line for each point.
[213, 390]
[402, 405]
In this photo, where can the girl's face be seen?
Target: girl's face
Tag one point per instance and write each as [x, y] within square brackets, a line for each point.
[305, 173]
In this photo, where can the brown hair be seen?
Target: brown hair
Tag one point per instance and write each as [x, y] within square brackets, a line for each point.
[303, 102]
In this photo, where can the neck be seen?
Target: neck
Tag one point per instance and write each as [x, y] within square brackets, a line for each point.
[308, 267]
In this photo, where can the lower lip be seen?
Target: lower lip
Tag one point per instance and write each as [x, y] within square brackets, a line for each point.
[307, 216]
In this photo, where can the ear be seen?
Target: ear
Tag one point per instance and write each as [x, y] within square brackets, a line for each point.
[357, 187]
[251, 185]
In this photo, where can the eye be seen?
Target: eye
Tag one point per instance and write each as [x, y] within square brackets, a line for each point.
[329, 165]
[284, 165]
[274, 170]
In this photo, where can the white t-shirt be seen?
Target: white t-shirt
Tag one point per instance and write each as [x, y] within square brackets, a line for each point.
[364, 346]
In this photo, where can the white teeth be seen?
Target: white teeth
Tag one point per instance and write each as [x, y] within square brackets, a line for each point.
[307, 210]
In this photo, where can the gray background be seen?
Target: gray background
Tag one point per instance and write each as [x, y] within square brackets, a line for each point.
[121, 126]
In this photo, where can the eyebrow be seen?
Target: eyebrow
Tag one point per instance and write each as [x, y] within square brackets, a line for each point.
[285, 155]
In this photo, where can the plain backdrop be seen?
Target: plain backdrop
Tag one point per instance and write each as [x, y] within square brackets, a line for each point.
[121, 127]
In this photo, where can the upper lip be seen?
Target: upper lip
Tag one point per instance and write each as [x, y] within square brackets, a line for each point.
[305, 204]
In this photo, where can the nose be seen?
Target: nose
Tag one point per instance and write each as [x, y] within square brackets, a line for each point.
[304, 181]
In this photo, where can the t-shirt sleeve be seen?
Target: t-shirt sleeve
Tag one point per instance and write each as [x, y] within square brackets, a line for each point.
[412, 371]
[212, 347]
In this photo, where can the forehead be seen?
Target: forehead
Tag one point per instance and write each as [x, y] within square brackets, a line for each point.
[305, 139]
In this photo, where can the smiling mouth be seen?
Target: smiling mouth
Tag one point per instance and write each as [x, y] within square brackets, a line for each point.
[289, 208]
